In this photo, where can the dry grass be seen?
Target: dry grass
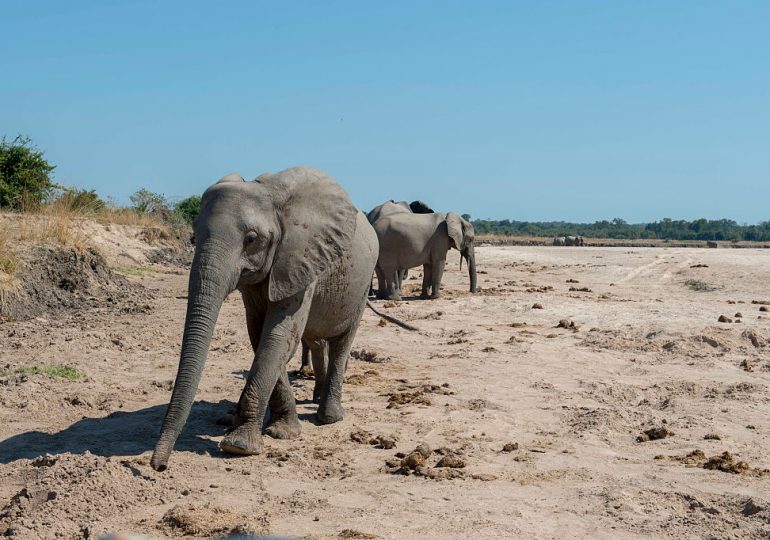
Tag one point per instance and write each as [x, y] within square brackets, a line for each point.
[128, 216]
[9, 265]
[57, 222]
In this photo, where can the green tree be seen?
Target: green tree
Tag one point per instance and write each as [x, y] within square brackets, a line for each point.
[25, 175]
[145, 201]
[189, 208]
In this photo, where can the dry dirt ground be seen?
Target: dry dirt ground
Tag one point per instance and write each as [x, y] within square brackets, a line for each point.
[548, 418]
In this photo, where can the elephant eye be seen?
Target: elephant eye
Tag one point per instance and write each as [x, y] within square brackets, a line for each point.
[251, 238]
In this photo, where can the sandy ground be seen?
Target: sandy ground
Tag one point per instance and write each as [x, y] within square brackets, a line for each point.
[646, 352]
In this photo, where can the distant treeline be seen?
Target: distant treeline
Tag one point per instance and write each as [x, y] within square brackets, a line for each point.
[666, 229]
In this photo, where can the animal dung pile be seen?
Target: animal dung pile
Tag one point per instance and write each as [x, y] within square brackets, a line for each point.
[724, 462]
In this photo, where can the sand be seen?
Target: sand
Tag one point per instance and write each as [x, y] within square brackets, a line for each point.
[574, 420]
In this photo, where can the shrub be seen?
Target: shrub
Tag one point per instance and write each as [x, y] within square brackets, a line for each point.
[81, 201]
[25, 175]
[189, 208]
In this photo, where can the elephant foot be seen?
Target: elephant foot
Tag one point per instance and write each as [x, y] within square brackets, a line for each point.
[284, 428]
[424, 296]
[306, 372]
[435, 296]
[244, 440]
[330, 412]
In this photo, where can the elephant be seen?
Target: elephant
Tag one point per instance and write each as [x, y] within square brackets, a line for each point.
[574, 241]
[401, 207]
[302, 256]
[559, 241]
[408, 240]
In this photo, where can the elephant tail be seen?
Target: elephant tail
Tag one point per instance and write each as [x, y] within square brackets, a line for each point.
[395, 321]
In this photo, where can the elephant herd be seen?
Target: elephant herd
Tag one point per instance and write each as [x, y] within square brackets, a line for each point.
[568, 241]
[302, 257]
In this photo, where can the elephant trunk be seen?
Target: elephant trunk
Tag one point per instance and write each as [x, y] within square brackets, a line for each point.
[470, 256]
[206, 293]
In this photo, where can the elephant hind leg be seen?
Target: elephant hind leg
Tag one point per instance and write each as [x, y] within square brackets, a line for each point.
[284, 423]
[306, 370]
[330, 409]
[319, 351]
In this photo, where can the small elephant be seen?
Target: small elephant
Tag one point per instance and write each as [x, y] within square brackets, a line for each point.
[559, 241]
[409, 240]
[302, 257]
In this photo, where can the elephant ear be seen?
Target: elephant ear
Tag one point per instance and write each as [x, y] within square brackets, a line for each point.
[454, 225]
[318, 222]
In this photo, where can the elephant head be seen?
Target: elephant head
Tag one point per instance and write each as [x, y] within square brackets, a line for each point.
[279, 232]
[461, 236]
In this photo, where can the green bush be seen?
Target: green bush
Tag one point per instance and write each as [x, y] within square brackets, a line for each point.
[189, 208]
[81, 200]
[25, 175]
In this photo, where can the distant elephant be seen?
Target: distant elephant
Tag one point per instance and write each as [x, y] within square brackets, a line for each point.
[302, 257]
[409, 240]
[573, 241]
[391, 207]
[559, 241]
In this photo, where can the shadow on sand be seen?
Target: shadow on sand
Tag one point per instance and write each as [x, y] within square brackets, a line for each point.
[120, 434]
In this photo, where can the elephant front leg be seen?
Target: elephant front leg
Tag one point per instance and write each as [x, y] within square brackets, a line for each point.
[427, 270]
[284, 423]
[394, 293]
[284, 324]
[382, 285]
[438, 274]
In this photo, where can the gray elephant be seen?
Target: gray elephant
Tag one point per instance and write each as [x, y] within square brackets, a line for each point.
[573, 241]
[409, 240]
[391, 207]
[559, 241]
[302, 257]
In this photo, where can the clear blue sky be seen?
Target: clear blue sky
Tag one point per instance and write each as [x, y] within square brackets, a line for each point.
[538, 110]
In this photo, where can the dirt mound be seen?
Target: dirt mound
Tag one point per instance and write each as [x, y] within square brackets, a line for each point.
[208, 521]
[66, 278]
[69, 496]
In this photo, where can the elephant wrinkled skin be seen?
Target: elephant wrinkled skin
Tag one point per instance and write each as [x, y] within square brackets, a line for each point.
[302, 257]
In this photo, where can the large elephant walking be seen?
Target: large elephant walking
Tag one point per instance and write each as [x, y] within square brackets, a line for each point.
[302, 257]
[409, 240]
